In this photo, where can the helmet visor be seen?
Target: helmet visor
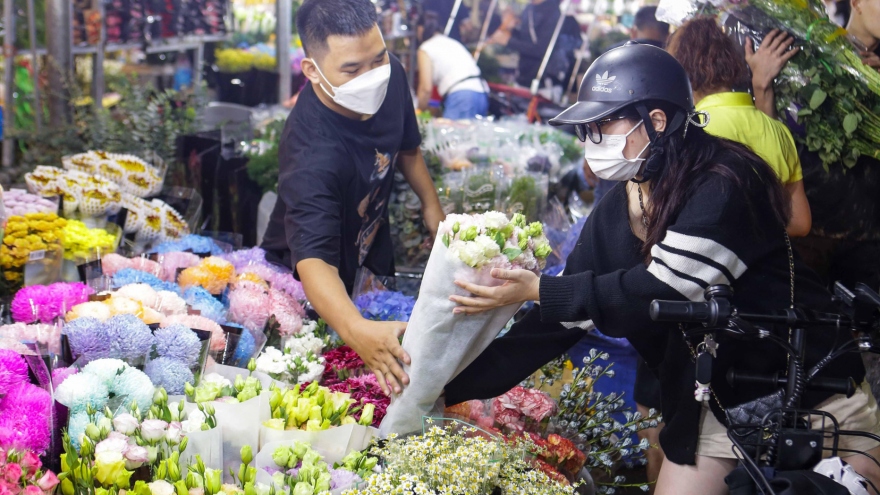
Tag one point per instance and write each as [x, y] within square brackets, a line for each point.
[583, 112]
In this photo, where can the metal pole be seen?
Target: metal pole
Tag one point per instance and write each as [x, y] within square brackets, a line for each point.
[452, 16]
[59, 39]
[282, 50]
[577, 68]
[35, 63]
[9, 81]
[485, 31]
[98, 59]
[200, 66]
[563, 11]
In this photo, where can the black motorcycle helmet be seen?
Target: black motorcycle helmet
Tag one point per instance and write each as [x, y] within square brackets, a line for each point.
[630, 77]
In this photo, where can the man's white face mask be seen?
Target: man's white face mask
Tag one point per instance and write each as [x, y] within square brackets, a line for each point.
[363, 94]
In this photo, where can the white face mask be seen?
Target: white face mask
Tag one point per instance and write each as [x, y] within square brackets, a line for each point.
[363, 94]
[606, 159]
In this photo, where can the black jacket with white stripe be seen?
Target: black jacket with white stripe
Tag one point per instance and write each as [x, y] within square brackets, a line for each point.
[723, 235]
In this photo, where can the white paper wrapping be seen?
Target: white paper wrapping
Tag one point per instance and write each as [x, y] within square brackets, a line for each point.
[239, 421]
[207, 444]
[441, 344]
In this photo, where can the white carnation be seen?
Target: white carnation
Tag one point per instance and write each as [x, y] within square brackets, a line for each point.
[217, 379]
[488, 246]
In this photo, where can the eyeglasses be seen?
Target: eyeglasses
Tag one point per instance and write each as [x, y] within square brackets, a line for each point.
[593, 130]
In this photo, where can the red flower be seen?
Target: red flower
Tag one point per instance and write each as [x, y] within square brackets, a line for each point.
[537, 405]
[344, 358]
[510, 418]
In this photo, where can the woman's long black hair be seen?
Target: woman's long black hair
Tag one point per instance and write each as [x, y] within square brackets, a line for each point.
[687, 160]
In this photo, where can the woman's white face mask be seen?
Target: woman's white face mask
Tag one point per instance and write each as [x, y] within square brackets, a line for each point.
[606, 159]
[364, 94]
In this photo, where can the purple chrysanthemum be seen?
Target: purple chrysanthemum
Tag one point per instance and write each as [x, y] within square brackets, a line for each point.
[342, 479]
[245, 257]
[13, 369]
[131, 337]
[169, 373]
[89, 337]
[179, 343]
[24, 418]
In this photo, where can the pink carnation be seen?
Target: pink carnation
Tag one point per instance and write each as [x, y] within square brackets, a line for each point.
[24, 418]
[147, 265]
[249, 307]
[112, 263]
[287, 311]
[218, 338]
[537, 405]
[173, 261]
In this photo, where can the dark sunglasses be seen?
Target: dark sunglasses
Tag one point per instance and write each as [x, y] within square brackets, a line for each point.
[593, 130]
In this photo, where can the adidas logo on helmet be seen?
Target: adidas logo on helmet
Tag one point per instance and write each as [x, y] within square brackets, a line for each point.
[602, 83]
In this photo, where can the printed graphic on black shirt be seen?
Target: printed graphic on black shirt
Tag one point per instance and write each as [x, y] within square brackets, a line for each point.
[372, 208]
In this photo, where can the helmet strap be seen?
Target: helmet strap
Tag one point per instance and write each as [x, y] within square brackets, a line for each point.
[654, 162]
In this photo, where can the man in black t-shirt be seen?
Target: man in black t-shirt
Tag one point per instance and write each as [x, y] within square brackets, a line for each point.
[350, 127]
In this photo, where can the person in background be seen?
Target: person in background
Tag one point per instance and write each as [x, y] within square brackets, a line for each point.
[352, 124]
[715, 67]
[646, 30]
[530, 36]
[446, 63]
[443, 9]
[864, 26]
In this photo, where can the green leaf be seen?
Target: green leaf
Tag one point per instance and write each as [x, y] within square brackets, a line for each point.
[512, 253]
[851, 122]
[804, 112]
[818, 98]
[499, 239]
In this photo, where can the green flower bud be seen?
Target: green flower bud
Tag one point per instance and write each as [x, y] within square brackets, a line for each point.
[543, 250]
[93, 432]
[183, 443]
[247, 454]
[252, 365]
[189, 390]
[456, 227]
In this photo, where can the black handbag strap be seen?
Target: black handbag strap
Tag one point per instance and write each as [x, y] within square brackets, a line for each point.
[469, 78]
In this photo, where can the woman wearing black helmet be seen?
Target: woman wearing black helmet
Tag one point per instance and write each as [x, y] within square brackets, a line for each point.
[690, 211]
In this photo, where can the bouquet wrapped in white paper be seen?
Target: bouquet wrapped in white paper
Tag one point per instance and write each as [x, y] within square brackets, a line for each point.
[440, 343]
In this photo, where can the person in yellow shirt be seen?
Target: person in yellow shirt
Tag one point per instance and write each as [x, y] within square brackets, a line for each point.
[715, 67]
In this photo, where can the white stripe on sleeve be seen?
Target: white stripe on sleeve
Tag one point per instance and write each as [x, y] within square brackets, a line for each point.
[683, 286]
[697, 269]
[708, 248]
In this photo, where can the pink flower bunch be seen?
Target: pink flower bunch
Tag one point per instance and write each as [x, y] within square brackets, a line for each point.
[278, 279]
[21, 474]
[112, 263]
[175, 260]
[476, 412]
[45, 303]
[196, 322]
[46, 335]
[287, 311]
[518, 404]
[25, 409]
[249, 306]
[365, 390]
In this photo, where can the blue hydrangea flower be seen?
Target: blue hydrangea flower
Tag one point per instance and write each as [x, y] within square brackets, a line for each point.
[204, 301]
[195, 243]
[385, 306]
[131, 337]
[178, 342]
[131, 276]
[89, 338]
[134, 387]
[169, 373]
[76, 428]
